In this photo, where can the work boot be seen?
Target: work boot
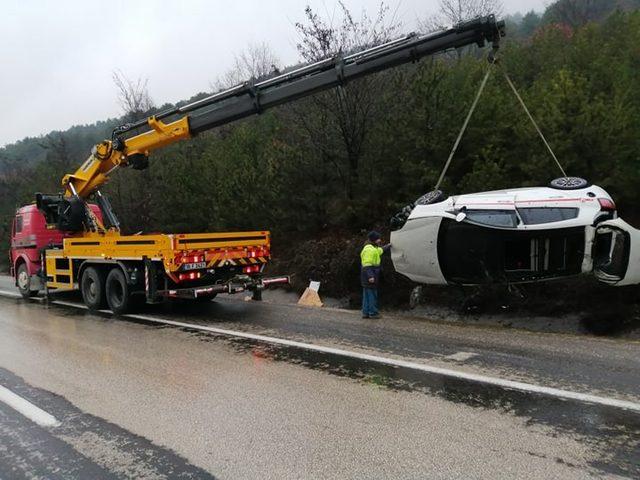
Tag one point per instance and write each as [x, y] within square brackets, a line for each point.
[376, 316]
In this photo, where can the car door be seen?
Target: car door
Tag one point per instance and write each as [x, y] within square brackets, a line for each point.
[616, 253]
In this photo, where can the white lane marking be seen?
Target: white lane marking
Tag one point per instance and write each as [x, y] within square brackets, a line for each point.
[499, 382]
[27, 409]
[422, 367]
[460, 356]
[10, 294]
[71, 304]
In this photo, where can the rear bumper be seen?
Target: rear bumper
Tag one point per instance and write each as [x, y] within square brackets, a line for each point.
[234, 286]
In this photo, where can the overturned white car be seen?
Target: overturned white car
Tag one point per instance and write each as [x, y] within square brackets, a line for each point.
[516, 236]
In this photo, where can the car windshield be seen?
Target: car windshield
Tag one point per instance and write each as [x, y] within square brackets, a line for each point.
[540, 215]
[493, 218]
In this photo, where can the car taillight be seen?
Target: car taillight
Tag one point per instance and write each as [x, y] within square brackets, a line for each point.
[251, 269]
[607, 205]
[189, 276]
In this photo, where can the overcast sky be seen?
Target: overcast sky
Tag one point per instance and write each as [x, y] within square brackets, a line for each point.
[57, 57]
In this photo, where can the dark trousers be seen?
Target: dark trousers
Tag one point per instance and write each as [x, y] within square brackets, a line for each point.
[369, 302]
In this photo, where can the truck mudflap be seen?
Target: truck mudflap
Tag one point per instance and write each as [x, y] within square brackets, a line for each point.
[236, 285]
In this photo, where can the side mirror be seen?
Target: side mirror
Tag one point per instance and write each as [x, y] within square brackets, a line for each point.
[460, 217]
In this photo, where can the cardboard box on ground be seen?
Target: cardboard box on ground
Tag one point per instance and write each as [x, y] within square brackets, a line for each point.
[310, 297]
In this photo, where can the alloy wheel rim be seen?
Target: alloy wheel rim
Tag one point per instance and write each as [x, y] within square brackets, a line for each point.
[23, 280]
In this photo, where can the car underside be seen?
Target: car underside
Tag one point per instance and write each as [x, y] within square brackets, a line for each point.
[513, 236]
[472, 254]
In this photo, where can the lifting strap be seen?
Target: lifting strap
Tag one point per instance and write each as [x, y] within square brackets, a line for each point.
[535, 124]
[464, 126]
[493, 61]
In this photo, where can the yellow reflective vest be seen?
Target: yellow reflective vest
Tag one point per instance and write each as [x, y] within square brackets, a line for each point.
[371, 256]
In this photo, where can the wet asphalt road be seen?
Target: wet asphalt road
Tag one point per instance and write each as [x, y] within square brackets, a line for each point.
[137, 400]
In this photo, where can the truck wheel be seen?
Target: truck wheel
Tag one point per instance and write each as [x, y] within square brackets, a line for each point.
[118, 292]
[92, 288]
[23, 281]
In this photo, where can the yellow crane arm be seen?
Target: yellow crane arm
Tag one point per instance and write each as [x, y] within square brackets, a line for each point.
[104, 158]
[69, 210]
[254, 97]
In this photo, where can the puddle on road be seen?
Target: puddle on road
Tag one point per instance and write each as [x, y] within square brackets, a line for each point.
[611, 433]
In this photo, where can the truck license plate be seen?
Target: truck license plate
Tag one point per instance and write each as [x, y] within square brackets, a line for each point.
[194, 266]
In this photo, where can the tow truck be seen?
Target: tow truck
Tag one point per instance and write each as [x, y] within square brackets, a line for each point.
[72, 240]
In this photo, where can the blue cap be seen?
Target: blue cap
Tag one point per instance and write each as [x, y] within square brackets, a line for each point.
[374, 236]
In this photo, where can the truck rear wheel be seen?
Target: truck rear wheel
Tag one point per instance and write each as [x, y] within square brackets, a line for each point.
[118, 292]
[23, 280]
[92, 287]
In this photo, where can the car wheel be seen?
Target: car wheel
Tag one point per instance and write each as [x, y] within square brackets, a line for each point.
[118, 292]
[434, 196]
[92, 287]
[569, 183]
[23, 280]
[415, 297]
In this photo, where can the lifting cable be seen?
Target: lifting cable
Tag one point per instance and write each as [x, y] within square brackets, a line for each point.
[464, 126]
[494, 61]
[535, 124]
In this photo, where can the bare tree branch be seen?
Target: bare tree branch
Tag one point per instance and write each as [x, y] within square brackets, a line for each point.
[337, 122]
[133, 97]
[452, 12]
[257, 62]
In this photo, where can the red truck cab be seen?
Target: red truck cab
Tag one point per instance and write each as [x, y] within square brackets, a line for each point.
[29, 236]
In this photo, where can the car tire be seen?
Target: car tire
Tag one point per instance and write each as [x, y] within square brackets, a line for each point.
[23, 281]
[92, 287]
[434, 196]
[118, 292]
[569, 183]
[415, 297]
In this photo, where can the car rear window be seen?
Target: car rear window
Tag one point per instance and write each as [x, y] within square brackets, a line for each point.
[18, 224]
[493, 218]
[540, 215]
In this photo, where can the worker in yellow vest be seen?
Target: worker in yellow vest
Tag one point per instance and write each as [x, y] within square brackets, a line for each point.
[370, 260]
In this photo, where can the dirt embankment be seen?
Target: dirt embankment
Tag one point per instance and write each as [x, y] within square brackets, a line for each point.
[333, 260]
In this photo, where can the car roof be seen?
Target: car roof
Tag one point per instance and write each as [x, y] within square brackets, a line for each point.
[527, 194]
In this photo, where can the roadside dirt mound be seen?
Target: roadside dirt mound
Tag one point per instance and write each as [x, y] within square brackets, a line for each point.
[333, 260]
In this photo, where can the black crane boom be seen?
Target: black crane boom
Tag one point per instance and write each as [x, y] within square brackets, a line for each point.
[255, 97]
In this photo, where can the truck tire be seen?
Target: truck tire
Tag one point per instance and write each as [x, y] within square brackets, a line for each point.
[93, 289]
[23, 280]
[118, 292]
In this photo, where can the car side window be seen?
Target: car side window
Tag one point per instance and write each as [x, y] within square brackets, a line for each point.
[493, 218]
[541, 215]
[18, 224]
